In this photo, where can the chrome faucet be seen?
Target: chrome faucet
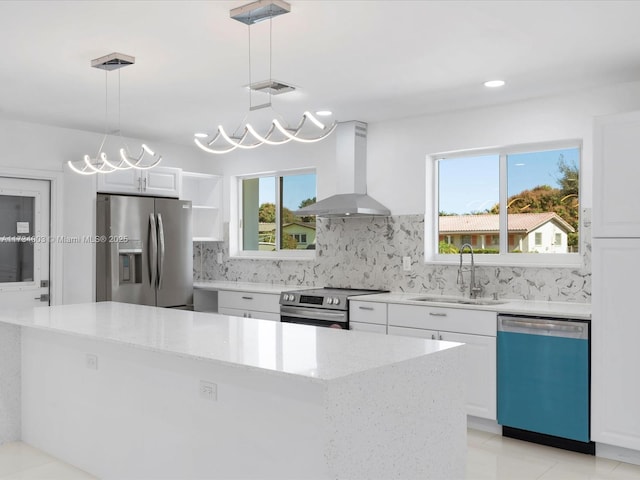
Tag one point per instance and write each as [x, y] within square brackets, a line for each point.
[474, 288]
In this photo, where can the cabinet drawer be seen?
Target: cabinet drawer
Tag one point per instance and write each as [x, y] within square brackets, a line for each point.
[413, 332]
[274, 317]
[368, 312]
[367, 327]
[477, 322]
[263, 302]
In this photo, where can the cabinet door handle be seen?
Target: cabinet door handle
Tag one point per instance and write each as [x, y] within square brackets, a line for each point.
[433, 336]
[145, 184]
[365, 308]
[247, 298]
[433, 314]
[139, 184]
[439, 337]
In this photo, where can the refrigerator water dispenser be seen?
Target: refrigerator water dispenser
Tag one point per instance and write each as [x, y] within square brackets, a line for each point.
[130, 262]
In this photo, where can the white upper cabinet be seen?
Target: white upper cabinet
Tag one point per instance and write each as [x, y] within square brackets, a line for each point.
[158, 182]
[205, 193]
[616, 175]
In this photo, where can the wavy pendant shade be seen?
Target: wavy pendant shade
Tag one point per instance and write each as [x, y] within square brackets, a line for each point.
[125, 160]
[246, 136]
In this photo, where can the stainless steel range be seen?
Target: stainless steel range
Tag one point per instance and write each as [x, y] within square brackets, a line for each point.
[320, 307]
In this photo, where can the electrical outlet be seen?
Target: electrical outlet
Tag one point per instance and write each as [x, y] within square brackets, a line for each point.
[208, 391]
[219, 257]
[91, 361]
[406, 264]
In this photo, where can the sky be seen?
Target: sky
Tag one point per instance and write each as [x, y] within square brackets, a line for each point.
[471, 184]
[296, 189]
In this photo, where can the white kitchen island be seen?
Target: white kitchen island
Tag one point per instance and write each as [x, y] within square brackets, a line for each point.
[128, 391]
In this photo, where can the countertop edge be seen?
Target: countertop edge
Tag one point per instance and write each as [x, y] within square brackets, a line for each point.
[580, 311]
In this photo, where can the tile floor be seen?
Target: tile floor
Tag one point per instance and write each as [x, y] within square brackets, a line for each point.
[490, 457]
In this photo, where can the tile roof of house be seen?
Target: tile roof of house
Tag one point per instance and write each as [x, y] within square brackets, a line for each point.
[517, 222]
[269, 227]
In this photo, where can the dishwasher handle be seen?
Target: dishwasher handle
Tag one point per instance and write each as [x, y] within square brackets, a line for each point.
[551, 327]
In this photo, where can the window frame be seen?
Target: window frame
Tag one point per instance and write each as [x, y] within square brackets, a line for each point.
[502, 259]
[236, 220]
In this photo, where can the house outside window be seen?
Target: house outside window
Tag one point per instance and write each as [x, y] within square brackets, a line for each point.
[538, 239]
[267, 222]
[507, 203]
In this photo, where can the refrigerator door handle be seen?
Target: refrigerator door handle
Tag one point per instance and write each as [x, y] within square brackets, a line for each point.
[153, 250]
[161, 255]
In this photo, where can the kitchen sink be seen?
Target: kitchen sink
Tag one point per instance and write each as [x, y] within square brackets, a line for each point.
[458, 300]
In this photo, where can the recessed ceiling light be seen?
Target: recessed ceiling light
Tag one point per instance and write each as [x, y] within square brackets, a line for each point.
[494, 83]
[200, 135]
[324, 113]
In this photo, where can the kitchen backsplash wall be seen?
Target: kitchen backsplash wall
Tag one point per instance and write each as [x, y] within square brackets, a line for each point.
[367, 253]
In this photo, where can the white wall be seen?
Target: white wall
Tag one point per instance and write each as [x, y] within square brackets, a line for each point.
[42, 149]
[397, 149]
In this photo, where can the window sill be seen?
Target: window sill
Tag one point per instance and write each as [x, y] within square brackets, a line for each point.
[520, 260]
[303, 255]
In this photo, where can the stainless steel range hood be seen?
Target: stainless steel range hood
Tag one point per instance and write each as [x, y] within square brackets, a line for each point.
[351, 178]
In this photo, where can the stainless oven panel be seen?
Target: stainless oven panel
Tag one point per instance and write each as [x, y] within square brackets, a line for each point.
[314, 316]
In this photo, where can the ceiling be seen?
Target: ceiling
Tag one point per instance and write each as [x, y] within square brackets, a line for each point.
[365, 60]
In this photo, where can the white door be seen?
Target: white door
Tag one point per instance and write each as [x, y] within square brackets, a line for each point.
[24, 242]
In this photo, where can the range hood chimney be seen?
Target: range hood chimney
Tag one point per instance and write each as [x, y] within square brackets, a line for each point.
[351, 173]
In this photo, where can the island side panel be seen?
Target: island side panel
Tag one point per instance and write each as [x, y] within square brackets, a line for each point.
[403, 421]
[10, 394]
[140, 413]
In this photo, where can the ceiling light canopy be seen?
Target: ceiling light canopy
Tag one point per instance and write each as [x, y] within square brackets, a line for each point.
[247, 136]
[258, 11]
[100, 163]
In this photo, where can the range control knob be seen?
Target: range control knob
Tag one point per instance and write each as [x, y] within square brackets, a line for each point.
[336, 301]
[330, 301]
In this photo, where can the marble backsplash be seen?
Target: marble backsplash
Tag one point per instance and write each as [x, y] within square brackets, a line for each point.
[367, 253]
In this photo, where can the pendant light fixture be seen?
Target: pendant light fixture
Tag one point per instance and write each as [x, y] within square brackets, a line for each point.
[101, 163]
[246, 136]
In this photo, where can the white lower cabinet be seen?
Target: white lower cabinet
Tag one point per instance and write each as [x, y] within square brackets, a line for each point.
[477, 329]
[367, 327]
[264, 306]
[615, 329]
[368, 316]
[250, 314]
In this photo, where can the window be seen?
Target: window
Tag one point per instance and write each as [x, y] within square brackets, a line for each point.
[268, 223]
[538, 239]
[300, 237]
[558, 239]
[508, 203]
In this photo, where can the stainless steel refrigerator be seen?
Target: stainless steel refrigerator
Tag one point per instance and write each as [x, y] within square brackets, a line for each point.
[144, 251]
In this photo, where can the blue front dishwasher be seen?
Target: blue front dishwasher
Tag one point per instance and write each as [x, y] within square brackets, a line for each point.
[543, 381]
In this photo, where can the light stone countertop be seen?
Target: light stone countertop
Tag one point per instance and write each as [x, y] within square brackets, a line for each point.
[512, 306]
[248, 287]
[580, 311]
[317, 354]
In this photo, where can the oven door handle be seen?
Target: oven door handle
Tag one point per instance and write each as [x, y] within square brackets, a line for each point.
[312, 313]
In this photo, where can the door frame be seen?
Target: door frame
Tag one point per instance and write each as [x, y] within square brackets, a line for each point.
[56, 180]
